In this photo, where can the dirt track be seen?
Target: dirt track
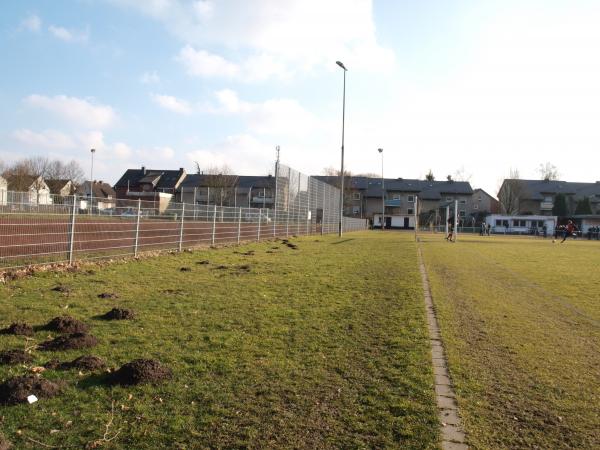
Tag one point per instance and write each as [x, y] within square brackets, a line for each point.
[29, 240]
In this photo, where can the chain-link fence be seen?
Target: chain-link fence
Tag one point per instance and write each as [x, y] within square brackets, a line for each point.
[36, 229]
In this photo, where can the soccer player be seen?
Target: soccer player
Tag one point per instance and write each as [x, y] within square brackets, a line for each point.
[450, 229]
[569, 229]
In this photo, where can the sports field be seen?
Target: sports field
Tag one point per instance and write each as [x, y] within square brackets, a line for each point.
[322, 346]
[319, 346]
[520, 319]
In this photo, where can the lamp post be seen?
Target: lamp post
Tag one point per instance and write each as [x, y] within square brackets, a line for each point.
[380, 150]
[92, 151]
[339, 63]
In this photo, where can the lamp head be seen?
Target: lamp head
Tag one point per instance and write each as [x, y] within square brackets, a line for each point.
[93, 150]
[380, 150]
[341, 64]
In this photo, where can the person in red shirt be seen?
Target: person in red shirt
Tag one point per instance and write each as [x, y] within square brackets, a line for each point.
[569, 229]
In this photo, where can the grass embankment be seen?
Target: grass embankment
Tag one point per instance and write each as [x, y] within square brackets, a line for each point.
[520, 319]
[320, 347]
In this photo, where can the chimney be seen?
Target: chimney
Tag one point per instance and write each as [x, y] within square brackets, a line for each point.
[144, 170]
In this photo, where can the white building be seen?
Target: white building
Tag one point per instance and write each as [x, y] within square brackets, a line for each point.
[521, 224]
[3, 191]
[403, 222]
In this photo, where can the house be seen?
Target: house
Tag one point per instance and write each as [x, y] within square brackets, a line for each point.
[228, 190]
[538, 196]
[150, 185]
[3, 191]
[28, 189]
[482, 203]
[101, 195]
[62, 188]
[398, 198]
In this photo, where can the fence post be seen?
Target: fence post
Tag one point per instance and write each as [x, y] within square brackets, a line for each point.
[214, 228]
[239, 225]
[181, 227]
[72, 230]
[137, 228]
[259, 221]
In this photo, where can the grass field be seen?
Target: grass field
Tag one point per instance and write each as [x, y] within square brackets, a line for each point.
[520, 319]
[320, 347]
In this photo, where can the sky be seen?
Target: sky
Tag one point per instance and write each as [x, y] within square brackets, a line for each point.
[471, 89]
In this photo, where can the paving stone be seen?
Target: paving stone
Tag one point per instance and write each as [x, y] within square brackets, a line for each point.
[449, 417]
[446, 402]
[445, 390]
[448, 445]
[453, 433]
[442, 379]
[440, 370]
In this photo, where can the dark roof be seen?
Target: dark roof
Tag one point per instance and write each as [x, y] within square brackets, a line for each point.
[240, 181]
[538, 189]
[427, 190]
[56, 185]
[99, 189]
[161, 179]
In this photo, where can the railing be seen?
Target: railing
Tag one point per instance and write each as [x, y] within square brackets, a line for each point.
[69, 229]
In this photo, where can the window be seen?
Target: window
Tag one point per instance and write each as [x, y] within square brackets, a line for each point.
[411, 211]
[498, 223]
[396, 197]
[356, 210]
[462, 202]
[462, 213]
[548, 199]
[519, 223]
[411, 198]
[479, 198]
[356, 196]
[475, 206]
[261, 194]
[448, 199]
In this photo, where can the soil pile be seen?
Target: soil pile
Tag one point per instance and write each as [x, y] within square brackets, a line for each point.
[185, 269]
[108, 295]
[85, 362]
[14, 357]
[203, 262]
[119, 314]
[62, 288]
[69, 342]
[18, 328]
[4, 443]
[66, 324]
[140, 371]
[16, 390]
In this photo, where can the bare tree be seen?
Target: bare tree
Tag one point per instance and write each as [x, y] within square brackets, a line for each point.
[57, 170]
[332, 172]
[221, 181]
[462, 175]
[430, 176]
[511, 192]
[548, 171]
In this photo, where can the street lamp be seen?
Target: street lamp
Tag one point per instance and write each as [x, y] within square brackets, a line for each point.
[339, 63]
[380, 150]
[92, 151]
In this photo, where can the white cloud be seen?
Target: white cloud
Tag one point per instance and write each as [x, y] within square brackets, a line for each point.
[288, 36]
[171, 103]
[47, 139]
[244, 154]
[205, 64]
[74, 110]
[68, 35]
[278, 117]
[150, 78]
[32, 23]
[121, 150]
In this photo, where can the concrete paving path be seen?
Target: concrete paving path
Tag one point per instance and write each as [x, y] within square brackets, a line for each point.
[453, 435]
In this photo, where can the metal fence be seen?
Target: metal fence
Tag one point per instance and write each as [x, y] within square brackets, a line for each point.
[65, 229]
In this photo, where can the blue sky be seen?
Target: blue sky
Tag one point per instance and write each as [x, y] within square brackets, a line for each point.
[463, 86]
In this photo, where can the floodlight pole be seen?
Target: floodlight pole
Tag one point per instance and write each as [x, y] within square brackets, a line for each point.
[342, 168]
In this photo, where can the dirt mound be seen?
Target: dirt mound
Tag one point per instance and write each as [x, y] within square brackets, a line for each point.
[248, 253]
[52, 364]
[119, 314]
[185, 269]
[66, 324]
[221, 267]
[14, 357]
[108, 295]
[62, 288]
[85, 362]
[292, 246]
[203, 262]
[68, 342]
[16, 390]
[19, 328]
[140, 371]
[4, 443]
[245, 268]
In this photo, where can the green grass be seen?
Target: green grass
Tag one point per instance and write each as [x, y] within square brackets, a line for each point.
[520, 319]
[320, 347]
